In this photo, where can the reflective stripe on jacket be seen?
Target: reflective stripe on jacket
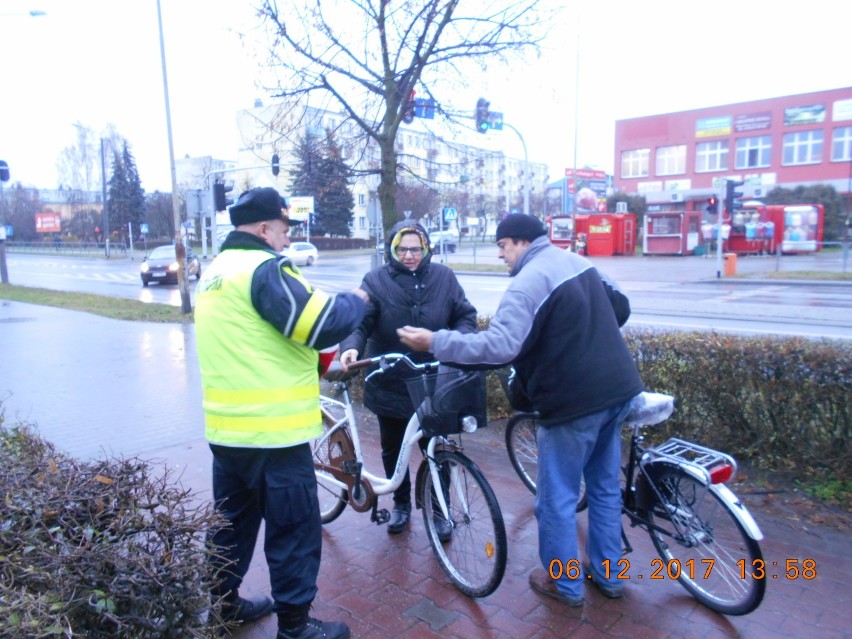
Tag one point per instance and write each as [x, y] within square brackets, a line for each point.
[260, 388]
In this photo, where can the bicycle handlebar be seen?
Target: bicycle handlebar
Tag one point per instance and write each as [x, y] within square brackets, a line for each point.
[385, 361]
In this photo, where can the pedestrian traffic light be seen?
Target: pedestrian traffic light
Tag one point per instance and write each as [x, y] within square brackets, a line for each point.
[712, 207]
[275, 167]
[732, 195]
[221, 195]
[481, 115]
[408, 108]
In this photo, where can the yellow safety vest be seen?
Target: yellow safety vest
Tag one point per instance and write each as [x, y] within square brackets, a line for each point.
[261, 389]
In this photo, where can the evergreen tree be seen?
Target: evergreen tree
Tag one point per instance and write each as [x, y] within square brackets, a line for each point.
[126, 197]
[335, 204]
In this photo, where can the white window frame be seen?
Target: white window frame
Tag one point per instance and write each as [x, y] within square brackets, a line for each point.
[712, 156]
[841, 144]
[634, 163]
[753, 152]
[802, 147]
[670, 160]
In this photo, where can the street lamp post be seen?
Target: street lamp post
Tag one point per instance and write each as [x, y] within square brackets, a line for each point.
[180, 250]
[526, 169]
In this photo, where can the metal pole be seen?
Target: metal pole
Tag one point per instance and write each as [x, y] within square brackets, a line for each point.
[526, 169]
[4, 273]
[180, 251]
[104, 200]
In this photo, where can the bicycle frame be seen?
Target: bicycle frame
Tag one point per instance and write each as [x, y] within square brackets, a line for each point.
[374, 485]
[642, 462]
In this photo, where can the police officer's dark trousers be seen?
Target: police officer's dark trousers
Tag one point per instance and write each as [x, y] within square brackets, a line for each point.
[278, 486]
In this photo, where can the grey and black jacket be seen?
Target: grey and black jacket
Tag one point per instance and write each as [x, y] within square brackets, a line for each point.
[558, 325]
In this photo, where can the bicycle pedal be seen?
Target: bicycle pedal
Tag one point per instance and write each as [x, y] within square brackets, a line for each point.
[382, 516]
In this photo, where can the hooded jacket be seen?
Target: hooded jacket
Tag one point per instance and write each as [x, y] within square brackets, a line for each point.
[428, 297]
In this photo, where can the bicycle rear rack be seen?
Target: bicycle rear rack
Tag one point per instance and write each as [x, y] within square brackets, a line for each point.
[714, 466]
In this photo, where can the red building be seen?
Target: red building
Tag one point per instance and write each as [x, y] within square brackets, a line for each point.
[678, 160]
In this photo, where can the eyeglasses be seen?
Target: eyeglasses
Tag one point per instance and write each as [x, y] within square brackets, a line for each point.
[414, 250]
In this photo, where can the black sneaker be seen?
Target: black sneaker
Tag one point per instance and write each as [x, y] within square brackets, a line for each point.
[241, 610]
[316, 629]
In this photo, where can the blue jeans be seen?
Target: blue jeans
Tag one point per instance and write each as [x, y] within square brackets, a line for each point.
[590, 448]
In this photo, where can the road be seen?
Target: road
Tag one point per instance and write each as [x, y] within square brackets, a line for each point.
[668, 293]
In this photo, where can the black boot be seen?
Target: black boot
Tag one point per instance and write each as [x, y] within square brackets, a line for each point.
[400, 519]
[295, 624]
[237, 609]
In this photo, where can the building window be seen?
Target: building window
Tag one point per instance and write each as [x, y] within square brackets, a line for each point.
[841, 144]
[753, 152]
[802, 147]
[362, 223]
[634, 163]
[671, 160]
[362, 199]
[711, 156]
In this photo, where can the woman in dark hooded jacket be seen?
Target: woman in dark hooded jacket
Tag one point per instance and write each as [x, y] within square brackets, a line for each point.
[406, 291]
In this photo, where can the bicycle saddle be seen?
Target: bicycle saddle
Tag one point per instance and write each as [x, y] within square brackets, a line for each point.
[647, 409]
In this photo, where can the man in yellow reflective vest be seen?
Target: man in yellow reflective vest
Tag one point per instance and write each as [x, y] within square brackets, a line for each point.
[259, 327]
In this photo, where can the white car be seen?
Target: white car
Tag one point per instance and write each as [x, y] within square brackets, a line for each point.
[302, 253]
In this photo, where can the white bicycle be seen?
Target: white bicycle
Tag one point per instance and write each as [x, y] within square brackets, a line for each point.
[449, 485]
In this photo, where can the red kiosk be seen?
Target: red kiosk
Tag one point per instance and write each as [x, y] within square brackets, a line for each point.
[672, 233]
[758, 228]
[605, 234]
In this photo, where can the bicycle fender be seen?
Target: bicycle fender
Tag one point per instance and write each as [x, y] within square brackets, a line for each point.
[738, 509]
[423, 470]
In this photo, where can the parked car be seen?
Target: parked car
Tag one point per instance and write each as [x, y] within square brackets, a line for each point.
[161, 266]
[302, 253]
[450, 237]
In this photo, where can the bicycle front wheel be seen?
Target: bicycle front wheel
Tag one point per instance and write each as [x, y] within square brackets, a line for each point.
[703, 544]
[473, 553]
[332, 498]
[523, 453]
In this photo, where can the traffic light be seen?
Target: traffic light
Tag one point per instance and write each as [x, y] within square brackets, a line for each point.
[481, 115]
[712, 207]
[408, 108]
[732, 195]
[275, 167]
[4, 171]
[221, 195]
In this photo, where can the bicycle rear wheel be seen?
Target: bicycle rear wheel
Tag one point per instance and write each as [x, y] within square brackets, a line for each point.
[702, 551]
[523, 453]
[475, 557]
[332, 498]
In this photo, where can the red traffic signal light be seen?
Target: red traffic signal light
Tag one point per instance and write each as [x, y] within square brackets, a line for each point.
[712, 207]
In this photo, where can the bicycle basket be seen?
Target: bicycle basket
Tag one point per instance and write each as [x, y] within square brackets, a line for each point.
[441, 398]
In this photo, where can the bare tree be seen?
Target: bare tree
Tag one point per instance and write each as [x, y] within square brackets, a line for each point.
[369, 56]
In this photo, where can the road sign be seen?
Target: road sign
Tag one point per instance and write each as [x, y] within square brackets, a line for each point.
[143, 228]
[450, 214]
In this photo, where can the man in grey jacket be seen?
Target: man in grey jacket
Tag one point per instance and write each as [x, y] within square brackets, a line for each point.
[558, 325]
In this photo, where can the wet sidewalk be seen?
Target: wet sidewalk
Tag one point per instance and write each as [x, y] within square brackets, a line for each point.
[96, 385]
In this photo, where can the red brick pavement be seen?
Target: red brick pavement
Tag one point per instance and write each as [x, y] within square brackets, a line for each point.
[392, 586]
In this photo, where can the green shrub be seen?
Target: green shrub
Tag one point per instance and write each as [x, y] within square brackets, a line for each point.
[782, 403]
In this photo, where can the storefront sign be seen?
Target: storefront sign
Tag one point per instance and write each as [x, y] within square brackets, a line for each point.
[711, 127]
[813, 114]
[753, 122]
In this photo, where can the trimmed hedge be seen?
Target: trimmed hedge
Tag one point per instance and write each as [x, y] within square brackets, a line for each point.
[99, 549]
[782, 403]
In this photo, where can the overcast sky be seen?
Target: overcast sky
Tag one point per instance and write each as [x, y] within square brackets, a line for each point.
[98, 62]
